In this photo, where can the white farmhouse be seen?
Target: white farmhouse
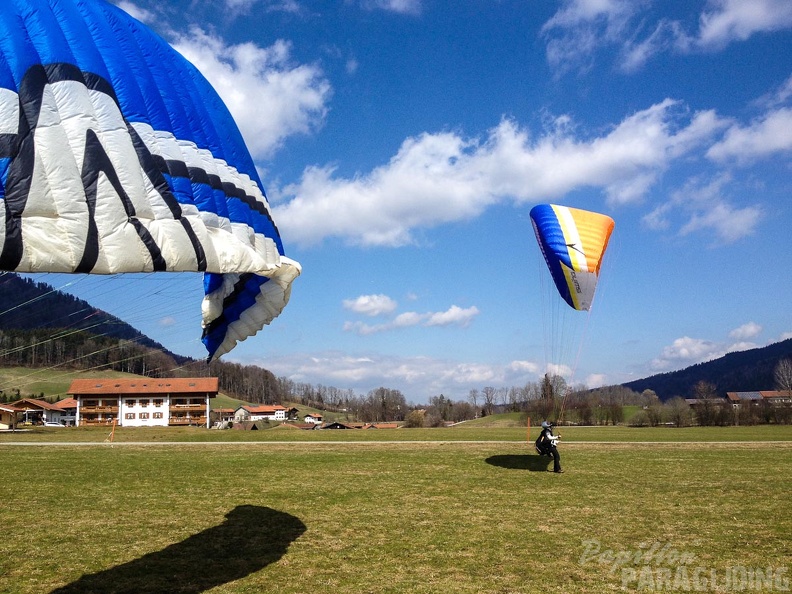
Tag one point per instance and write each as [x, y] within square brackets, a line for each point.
[144, 402]
[266, 412]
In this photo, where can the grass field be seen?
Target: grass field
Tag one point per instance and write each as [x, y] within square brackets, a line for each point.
[444, 510]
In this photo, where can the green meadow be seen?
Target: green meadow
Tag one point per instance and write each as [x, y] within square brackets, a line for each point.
[435, 510]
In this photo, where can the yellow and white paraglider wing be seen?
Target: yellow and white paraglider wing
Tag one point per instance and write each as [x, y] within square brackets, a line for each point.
[573, 242]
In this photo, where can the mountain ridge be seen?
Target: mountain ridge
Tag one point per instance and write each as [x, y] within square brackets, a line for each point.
[740, 371]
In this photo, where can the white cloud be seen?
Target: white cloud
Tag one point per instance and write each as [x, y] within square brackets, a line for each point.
[778, 97]
[749, 330]
[141, 14]
[581, 28]
[766, 136]
[412, 7]
[441, 178]
[247, 76]
[564, 371]
[453, 316]
[686, 351]
[407, 319]
[726, 21]
[240, 4]
[371, 305]
[729, 224]
[522, 367]
[418, 378]
[167, 321]
[240, 7]
[596, 380]
[703, 206]
[741, 346]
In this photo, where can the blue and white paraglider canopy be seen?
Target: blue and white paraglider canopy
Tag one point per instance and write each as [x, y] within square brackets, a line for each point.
[116, 155]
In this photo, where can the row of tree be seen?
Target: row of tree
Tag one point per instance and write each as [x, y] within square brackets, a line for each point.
[71, 349]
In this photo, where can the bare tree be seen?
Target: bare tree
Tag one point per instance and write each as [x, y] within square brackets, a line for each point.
[783, 375]
[513, 397]
[490, 398]
[706, 408]
[473, 397]
[678, 411]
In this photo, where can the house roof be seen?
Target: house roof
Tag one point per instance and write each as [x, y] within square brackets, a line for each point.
[181, 385]
[776, 393]
[758, 395]
[337, 425]
[314, 415]
[266, 409]
[381, 426]
[9, 408]
[287, 426]
[66, 403]
[34, 403]
[737, 396]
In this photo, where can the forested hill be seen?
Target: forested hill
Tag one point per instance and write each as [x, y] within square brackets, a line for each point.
[29, 305]
[742, 371]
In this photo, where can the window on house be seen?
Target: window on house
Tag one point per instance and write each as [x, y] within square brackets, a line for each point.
[129, 402]
[157, 415]
[144, 402]
[158, 402]
[129, 416]
[144, 416]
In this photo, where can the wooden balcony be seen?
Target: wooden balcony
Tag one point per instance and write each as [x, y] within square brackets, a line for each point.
[183, 421]
[96, 422]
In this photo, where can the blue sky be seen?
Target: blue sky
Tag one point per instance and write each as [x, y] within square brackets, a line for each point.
[402, 144]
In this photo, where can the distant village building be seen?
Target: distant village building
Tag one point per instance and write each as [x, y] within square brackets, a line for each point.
[223, 416]
[9, 416]
[264, 412]
[68, 407]
[774, 397]
[314, 418]
[38, 412]
[143, 402]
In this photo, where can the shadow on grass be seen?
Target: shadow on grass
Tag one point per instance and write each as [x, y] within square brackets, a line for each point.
[532, 462]
[251, 538]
